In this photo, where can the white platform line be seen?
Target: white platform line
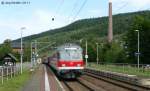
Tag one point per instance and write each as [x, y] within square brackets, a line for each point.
[47, 86]
[59, 84]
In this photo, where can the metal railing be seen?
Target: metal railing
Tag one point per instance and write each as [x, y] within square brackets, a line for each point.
[8, 72]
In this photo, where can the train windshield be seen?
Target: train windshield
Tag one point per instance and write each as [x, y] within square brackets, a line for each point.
[71, 55]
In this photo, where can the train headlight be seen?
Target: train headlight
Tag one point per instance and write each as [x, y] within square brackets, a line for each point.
[63, 65]
[78, 65]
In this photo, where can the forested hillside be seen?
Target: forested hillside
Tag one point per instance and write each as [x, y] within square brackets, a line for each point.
[95, 31]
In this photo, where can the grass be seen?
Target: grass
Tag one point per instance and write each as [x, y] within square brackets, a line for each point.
[122, 69]
[15, 83]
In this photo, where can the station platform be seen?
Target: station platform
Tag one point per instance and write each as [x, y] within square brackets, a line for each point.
[42, 79]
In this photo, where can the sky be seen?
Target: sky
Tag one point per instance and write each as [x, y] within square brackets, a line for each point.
[36, 15]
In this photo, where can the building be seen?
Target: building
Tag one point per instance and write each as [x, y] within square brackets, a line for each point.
[16, 47]
[8, 60]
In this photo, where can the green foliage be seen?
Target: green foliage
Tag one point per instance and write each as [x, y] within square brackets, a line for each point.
[16, 83]
[27, 53]
[121, 68]
[17, 55]
[143, 25]
[5, 48]
[114, 53]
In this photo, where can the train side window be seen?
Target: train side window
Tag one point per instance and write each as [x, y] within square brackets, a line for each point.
[58, 55]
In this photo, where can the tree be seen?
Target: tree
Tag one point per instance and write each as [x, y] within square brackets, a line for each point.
[141, 24]
[5, 48]
[27, 53]
[114, 53]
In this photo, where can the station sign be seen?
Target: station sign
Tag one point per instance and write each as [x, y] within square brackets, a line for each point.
[70, 48]
[137, 53]
[86, 56]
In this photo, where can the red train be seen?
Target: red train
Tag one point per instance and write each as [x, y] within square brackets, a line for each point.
[67, 61]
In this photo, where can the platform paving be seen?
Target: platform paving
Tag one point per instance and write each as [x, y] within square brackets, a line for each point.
[36, 82]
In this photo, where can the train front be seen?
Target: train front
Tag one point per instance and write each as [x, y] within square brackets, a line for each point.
[70, 64]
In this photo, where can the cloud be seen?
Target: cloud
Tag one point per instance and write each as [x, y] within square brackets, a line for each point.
[130, 5]
[45, 19]
[134, 3]
[121, 6]
[139, 3]
[96, 13]
[39, 21]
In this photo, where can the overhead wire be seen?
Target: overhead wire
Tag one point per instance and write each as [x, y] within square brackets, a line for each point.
[140, 9]
[82, 6]
[74, 7]
[123, 6]
[58, 8]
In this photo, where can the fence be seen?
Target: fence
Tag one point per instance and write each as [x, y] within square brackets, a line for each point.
[142, 71]
[7, 72]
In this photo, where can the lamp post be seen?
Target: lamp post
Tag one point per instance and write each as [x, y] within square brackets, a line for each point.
[31, 56]
[21, 52]
[35, 52]
[138, 50]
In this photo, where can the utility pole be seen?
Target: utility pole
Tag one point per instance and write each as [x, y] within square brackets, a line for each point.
[97, 52]
[86, 55]
[138, 50]
[21, 52]
[110, 29]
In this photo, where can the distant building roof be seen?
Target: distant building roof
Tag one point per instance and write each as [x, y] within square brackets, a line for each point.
[11, 56]
[17, 45]
[8, 59]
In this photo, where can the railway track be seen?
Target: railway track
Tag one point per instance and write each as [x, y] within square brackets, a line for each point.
[89, 83]
[103, 85]
[123, 86]
[74, 86]
[79, 85]
[94, 82]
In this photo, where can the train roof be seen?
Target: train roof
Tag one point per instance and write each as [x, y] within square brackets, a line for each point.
[69, 46]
